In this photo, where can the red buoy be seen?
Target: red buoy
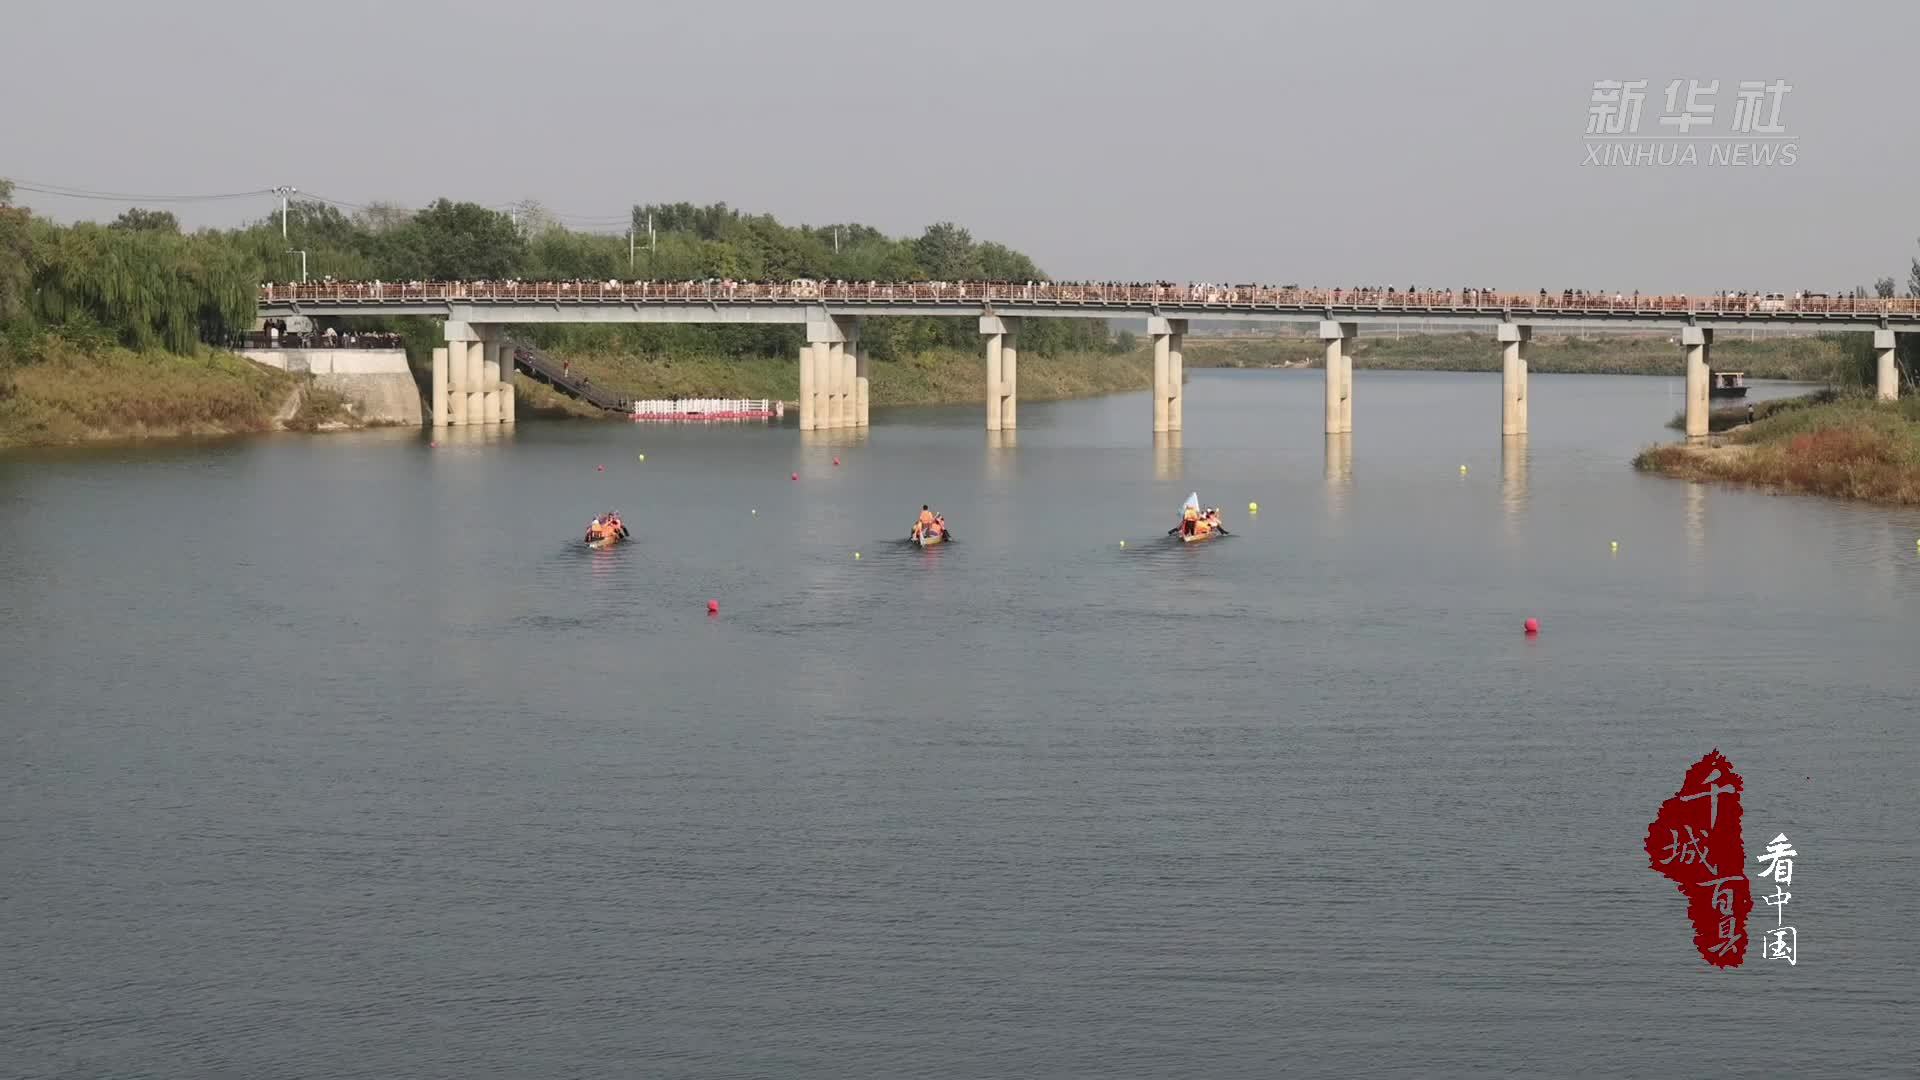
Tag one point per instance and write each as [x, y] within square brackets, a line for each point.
[434, 445]
[599, 468]
[713, 607]
[1533, 626]
[795, 476]
[836, 461]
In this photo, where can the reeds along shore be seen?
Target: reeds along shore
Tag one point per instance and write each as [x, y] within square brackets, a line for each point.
[1846, 446]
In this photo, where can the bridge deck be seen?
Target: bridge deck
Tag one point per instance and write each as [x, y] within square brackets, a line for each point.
[1068, 300]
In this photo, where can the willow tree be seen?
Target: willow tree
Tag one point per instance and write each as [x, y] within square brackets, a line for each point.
[148, 289]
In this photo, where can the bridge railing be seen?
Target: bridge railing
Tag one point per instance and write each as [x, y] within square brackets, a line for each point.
[1095, 294]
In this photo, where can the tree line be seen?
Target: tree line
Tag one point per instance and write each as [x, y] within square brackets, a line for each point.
[142, 281]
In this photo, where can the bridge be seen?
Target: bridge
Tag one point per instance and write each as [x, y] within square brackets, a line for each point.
[472, 384]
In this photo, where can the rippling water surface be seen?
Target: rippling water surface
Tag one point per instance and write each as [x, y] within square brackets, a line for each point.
[338, 757]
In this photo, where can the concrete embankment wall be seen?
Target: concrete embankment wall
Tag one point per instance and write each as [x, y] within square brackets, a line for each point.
[377, 383]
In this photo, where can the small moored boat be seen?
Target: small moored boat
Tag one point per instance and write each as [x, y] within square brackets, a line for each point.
[1727, 384]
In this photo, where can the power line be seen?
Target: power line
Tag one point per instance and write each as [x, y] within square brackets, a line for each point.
[66, 191]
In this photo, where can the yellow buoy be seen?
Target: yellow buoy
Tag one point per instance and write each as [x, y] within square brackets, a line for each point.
[1616, 545]
[1253, 508]
[1123, 543]
[856, 554]
[1463, 470]
[643, 457]
[753, 511]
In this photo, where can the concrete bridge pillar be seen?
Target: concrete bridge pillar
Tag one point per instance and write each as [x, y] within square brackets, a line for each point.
[806, 387]
[490, 375]
[438, 401]
[1169, 372]
[463, 374]
[826, 375]
[860, 370]
[994, 329]
[1696, 341]
[1339, 338]
[1010, 376]
[1515, 342]
[1887, 377]
[507, 392]
[836, 385]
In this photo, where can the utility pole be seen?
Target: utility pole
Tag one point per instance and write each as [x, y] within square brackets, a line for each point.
[303, 262]
[284, 190]
[629, 249]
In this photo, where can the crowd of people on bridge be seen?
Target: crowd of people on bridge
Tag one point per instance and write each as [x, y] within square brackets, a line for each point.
[1106, 293]
[273, 334]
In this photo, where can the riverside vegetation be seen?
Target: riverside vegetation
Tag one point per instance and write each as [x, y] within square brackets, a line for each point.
[1839, 442]
[103, 330]
[1844, 445]
[103, 327]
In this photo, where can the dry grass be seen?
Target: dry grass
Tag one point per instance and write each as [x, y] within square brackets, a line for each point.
[52, 391]
[538, 401]
[322, 409]
[1849, 448]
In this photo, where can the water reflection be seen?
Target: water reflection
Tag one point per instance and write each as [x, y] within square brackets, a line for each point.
[1166, 454]
[471, 435]
[1339, 472]
[834, 438]
[1001, 456]
[1696, 526]
[1513, 477]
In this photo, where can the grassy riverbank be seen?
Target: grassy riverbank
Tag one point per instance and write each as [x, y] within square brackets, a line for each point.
[958, 376]
[1848, 447]
[1804, 359]
[933, 377]
[56, 391]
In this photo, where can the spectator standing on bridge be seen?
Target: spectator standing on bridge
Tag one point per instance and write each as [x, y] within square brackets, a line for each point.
[566, 369]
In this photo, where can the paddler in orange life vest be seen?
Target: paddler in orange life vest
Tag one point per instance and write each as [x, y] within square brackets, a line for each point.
[1189, 518]
[921, 527]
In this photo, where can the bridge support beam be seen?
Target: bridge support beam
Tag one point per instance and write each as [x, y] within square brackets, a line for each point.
[826, 375]
[1887, 377]
[1010, 376]
[1515, 343]
[1339, 339]
[860, 372]
[1696, 341]
[507, 392]
[490, 376]
[806, 387]
[836, 385]
[1169, 372]
[463, 406]
[998, 333]
[437, 403]
[476, 382]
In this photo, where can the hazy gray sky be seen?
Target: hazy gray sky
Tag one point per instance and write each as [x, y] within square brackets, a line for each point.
[1433, 143]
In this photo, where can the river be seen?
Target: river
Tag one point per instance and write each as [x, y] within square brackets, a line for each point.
[337, 756]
